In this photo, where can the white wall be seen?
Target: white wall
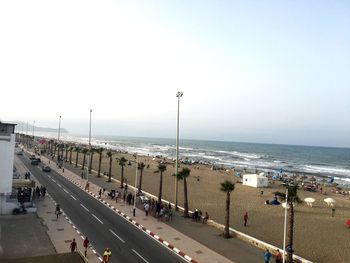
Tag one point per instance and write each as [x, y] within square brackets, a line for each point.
[7, 151]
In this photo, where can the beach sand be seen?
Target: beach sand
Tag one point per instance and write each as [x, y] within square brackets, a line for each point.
[318, 236]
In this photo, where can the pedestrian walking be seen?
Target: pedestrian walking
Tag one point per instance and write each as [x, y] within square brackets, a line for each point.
[100, 193]
[58, 210]
[278, 256]
[85, 245]
[73, 246]
[107, 255]
[245, 218]
[146, 208]
[267, 256]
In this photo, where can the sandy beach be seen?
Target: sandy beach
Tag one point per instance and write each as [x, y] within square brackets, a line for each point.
[318, 236]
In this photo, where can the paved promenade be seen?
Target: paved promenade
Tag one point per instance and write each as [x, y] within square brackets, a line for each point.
[201, 243]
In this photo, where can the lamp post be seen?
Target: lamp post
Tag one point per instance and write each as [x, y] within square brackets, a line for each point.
[33, 133]
[58, 137]
[178, 95]
[87, 159]
[285, 228]
[136, 165]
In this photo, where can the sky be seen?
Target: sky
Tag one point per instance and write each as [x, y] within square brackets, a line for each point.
[251, 71]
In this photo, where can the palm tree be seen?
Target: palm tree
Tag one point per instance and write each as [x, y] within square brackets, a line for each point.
[182, 175]
[54, 149]
[292, 197]
[84, 151]
[141, 166]
[227, 187]
[77, 150]
[161, 170]
[50, 146]
[122, 162]
[71, 148]
[67, 148]
[92, 150]
[99, 151]
[110, 155]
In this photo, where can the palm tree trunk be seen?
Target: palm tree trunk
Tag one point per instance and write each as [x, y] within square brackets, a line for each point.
[290, 232]
[91, 157]
[227, 217]
[160, 188]
[83, 162]
[140, 183]
[70, 156]
[66, 154]
[99, 165]
[76, 159]
[110, 170]
[122, 178]
[186, 198]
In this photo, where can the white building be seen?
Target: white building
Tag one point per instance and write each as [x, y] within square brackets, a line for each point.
[7, 150]
[255, 180]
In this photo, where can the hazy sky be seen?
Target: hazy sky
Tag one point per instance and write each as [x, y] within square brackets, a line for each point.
[259, 71]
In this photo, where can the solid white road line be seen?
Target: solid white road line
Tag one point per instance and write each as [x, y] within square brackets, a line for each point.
[97, 219]
[139, 255]
[117, 236]
[65, 191]
[73, 197]
[84, 207]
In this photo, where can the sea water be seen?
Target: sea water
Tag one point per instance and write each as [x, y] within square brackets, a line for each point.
[320, 161]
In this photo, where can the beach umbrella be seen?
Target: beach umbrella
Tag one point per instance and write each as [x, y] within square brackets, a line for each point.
[329, 201]
[348, 223]
[309, 201]
[285, 204]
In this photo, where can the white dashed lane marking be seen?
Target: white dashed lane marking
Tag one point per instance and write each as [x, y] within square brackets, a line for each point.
[117, 236]
[59, 185]
[139, 255]
[73, 197]
[65, 191]
[97, 218]
[84, 207]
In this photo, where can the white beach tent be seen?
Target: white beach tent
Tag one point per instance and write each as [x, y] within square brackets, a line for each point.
[255, 180]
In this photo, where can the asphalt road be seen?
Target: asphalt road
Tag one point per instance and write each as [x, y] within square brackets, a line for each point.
[103, 226]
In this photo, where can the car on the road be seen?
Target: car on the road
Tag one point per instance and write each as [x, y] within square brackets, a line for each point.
[19, 153]
[46, 168]
[38, 159]
[34, 162]
[32, 157]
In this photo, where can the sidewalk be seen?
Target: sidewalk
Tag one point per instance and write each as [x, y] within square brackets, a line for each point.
[61, 231]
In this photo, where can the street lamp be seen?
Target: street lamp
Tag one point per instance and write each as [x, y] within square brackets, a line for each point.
[136, 167]
[58, 137]
[178, 95]
[33, 129]
[285, 227]
[87, 161]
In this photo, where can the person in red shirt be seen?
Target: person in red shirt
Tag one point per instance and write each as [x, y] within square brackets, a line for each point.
[278, 256]
[85, 245]
[73, 246]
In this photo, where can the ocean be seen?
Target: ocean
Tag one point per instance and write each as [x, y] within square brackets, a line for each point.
[320, 161]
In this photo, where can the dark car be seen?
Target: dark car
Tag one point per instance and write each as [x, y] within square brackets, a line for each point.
[34, 162]
[46, 168]
[32, 157]
[38, 159]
